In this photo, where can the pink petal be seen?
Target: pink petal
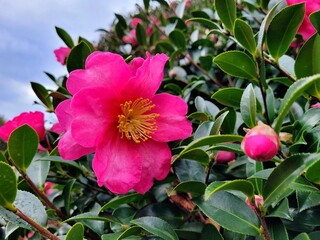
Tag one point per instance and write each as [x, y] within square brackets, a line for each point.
[117, 164]
[135, 64]
[95, 110]
[63, 113]
[61, 54]
[69, 149]
[148, 78]
[172, 122]
[102, 69]
[154, 165]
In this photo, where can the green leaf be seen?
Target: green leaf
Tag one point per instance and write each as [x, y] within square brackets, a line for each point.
[239, 185]
[308, 59]
[206, 62]
[67, 195]
[308, 200]
[76, 232]
[187, 170]
[231, 213]
[314, 19]
[286, 173]
[178, 39]
[141, 35]
[302, 236]
[93, 217]
[78, 56]
[277, 229]
[38, 170]
[115, 202]
[146, 4]
[312, 174]
[244, 35]
[281, 211]
[65, 37]
[193, 187]
[237, 64]
[8, 186]
[215, 130]
[89, 44]
[121, 20]
[210, 140]
[283, 29]
[122, 235]
[248, 107]
[43, 94]
[227, 12]
[22, 146]
[210, 232]
[205, 22]
[58, 159]
[196, 154]
[230, 97]
[270, 104]
[294, 91]
[157, 227]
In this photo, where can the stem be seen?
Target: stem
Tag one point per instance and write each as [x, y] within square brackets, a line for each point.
[264, 97]
[270, 61]
[44, 232]
[37, 191]
[265, 231]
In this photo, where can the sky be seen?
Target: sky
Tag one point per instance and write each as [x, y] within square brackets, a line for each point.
[28, 39]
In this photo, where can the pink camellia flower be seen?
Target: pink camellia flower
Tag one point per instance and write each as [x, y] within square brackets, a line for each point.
[135, 22]
[33, 119]
[62, 54]
[317, 105]
[225, 156]
[261, 143]
[306, 29]
[258, 200]
[115, 112]
[131, 38]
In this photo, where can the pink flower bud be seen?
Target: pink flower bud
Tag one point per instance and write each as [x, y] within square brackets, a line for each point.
[261, 143]
[257, 200]
[225, 156]
[62, 54]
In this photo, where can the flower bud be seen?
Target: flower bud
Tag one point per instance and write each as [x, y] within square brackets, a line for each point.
[261, 143]
[258, 200]
[225, 156]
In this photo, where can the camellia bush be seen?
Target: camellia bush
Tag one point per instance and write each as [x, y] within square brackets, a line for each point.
[190, 120]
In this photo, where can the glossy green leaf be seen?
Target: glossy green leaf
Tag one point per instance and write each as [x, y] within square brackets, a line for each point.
[38, 170]
[22, 146]
[123, 235]
[67, 195]
[78, 56]
[303, 185]
[187, 170]
[244, 35]
[43, 94]
[121, 20]
[8, 186]
[146, 4]
[227, 12]
[294, 91]
[206, 106]
[141, 35]
[206, 62]
[285, 173]
[196, 154]
[239, 185]
[93, 217]
[302, 236]
[237, 64]
[75, 232]
[216, 127]
[178, 39]
[210, 140]
[314, 19]
[193, 187]
[157, 227]
[281, 211]
[248, 107]
[312, 174]
[65, 37]
[89, 44]
[58, 159]
[210, 232]
[308, 59]
[205, 22]
[271, 104]
[230, 97]
[203, 130]
[277, 229]
[115, 202]
[2, 157]
[283, 29]
[231, 213]
[308, 200]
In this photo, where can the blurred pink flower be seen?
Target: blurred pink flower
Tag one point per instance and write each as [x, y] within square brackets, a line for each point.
[317, 105]
[62, 54]
[261, 143]
[135, 22]
[116, 113]
[48, 188]
[33, 119]
[306, 29]
[131, 38]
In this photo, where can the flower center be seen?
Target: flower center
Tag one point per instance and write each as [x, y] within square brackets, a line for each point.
[135, 123]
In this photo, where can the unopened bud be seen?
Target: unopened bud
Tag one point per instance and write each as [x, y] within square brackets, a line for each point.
[258, 200]
[261, 143]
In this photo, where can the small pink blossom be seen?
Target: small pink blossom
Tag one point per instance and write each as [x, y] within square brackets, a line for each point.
[317, 105]
[135, 22]
[115, 113]
[33, 119]
[62, 54]
[261, 143]
[48, 188]
[225, 156]
[258, 200]
[306, 29]
[131, 38]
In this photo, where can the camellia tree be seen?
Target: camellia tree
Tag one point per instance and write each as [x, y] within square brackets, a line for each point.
[188, 120]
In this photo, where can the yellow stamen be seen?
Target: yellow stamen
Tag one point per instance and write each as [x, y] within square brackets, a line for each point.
[135, 123]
